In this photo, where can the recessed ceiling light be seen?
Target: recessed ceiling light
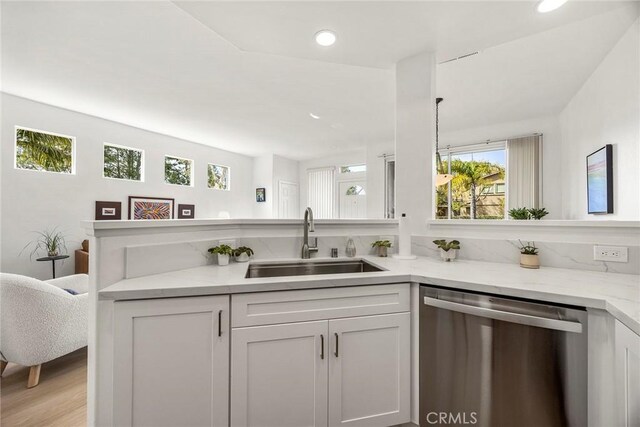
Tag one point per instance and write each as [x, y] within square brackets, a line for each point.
[548, 5]
[314, 116]
[325, 37]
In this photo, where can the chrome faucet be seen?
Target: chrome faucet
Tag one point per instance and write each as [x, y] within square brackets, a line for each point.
[308, 227]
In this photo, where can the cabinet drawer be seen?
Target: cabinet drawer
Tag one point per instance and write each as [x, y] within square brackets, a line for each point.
[266, 308]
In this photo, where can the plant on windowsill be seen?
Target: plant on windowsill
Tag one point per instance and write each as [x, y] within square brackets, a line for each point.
[243, 253]
[223, 252]
[381, 247]
[448, 250]
[519, 213]
[529, 255]
[538, 213]
[50, 242]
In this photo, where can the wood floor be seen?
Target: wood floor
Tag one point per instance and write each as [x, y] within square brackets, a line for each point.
[59, 400]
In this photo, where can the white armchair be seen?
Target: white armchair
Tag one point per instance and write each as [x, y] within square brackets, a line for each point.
[40, 321]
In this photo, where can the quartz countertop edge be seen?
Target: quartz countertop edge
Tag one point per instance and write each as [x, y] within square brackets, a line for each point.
[619, 294]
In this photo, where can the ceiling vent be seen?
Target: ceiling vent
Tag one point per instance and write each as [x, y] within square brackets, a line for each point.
[460, 57]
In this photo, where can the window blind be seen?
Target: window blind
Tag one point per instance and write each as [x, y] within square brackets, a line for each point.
[523, 181]
[321, 194]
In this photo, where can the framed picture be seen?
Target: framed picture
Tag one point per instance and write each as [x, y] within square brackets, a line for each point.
[600, 181]
[186, 211]
[108, 210]
[150, 207]
[261, 195]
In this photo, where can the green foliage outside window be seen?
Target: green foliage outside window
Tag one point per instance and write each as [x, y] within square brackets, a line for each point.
[218, 177]
[177, 171]
[122, 163]
[43, 151]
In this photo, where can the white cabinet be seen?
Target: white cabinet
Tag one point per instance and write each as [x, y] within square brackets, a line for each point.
[369, 371]
[171, 362]
[627, 376]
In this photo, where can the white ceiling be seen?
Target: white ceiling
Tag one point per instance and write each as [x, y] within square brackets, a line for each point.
[245, 76]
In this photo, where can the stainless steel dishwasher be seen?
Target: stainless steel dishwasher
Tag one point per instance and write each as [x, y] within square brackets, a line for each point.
[500, 362]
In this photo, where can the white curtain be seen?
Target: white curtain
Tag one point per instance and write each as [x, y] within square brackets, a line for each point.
[523, 169]
[321, 192]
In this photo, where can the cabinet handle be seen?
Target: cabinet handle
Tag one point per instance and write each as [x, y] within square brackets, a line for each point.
[321, 346]
[337, 342]
[220, 323]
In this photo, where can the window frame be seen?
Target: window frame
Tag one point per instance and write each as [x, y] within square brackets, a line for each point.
[214, 188]
[15, 150]
[192, 175]
[353, 165]
[142, 162]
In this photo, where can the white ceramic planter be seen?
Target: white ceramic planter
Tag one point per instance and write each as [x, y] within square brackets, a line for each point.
[449, 255]
[382, 251]
[529, 261]
[243, 257]
[223, 259]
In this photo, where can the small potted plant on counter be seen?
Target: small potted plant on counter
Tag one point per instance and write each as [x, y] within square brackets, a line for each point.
[382, 247]
[538, 213]
[243, 253]
[448, 250]
[529, 255]
[223, 252]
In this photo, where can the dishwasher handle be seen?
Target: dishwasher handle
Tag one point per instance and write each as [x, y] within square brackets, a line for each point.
[523, 319]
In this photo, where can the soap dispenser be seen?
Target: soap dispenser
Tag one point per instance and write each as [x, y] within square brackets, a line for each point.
[351, 248]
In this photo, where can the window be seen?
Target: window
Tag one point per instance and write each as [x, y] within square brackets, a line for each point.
[178, 171]
[390, 186]
[477, 190]
[353, 168]
[44, 151]
[219, 177]
[122, 162]
[355, 190]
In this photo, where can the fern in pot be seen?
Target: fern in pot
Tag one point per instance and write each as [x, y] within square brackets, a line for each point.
[243, 253]
[223, 252]
[448, 250]
[50, 242]
[529, 255]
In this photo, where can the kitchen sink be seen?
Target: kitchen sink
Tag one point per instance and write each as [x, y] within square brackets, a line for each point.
[307, 268]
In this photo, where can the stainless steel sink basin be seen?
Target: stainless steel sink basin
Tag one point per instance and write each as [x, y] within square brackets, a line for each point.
[278, 269]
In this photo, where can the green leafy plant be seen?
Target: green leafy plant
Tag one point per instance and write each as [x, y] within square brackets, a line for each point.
[528, 249]
[538, 213]
[446, 246]
[221, 250]
[519, 213]
[381, 244]
[49, 241]
[243, 250]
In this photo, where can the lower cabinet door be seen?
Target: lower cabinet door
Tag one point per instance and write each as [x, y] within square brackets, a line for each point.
[369, 371]
[171, 362]
[279, 375]
[627, 382]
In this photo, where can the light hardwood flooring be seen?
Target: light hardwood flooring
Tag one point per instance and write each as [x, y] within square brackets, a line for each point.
[59, 400]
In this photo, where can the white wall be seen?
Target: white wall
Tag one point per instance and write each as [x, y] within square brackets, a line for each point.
[606, 110]
[549, 126]
[34, 201]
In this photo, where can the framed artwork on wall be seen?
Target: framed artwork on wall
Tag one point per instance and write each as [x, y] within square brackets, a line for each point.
[600, 181]
[150, 207]
[108, 210]
[261, 195]
[186, 211]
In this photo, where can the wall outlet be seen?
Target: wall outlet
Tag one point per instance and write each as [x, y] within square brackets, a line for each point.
[230, 242]
[611, 253]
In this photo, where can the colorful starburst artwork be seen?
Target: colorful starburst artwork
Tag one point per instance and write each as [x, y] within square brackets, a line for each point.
[150, 208]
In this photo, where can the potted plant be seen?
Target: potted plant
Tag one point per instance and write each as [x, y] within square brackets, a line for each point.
[382, 247]
[223, 252]
[538, 213]
[448, 250]
[51, 242]
[529, 255]
[243, 253]
[519, 213]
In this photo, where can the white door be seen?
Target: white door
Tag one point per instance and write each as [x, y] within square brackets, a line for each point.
[279, 375]
[288, 200]
[353, 199]
[627, 364]
[171, 362]
[369, 371]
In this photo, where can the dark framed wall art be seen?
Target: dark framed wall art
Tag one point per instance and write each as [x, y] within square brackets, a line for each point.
[600, 181]
[261, 195]
[186, 211]
[108, 210]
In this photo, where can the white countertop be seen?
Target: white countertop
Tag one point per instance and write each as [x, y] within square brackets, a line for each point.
[619, 294]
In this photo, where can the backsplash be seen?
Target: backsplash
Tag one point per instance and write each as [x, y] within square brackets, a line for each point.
[552, 254]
